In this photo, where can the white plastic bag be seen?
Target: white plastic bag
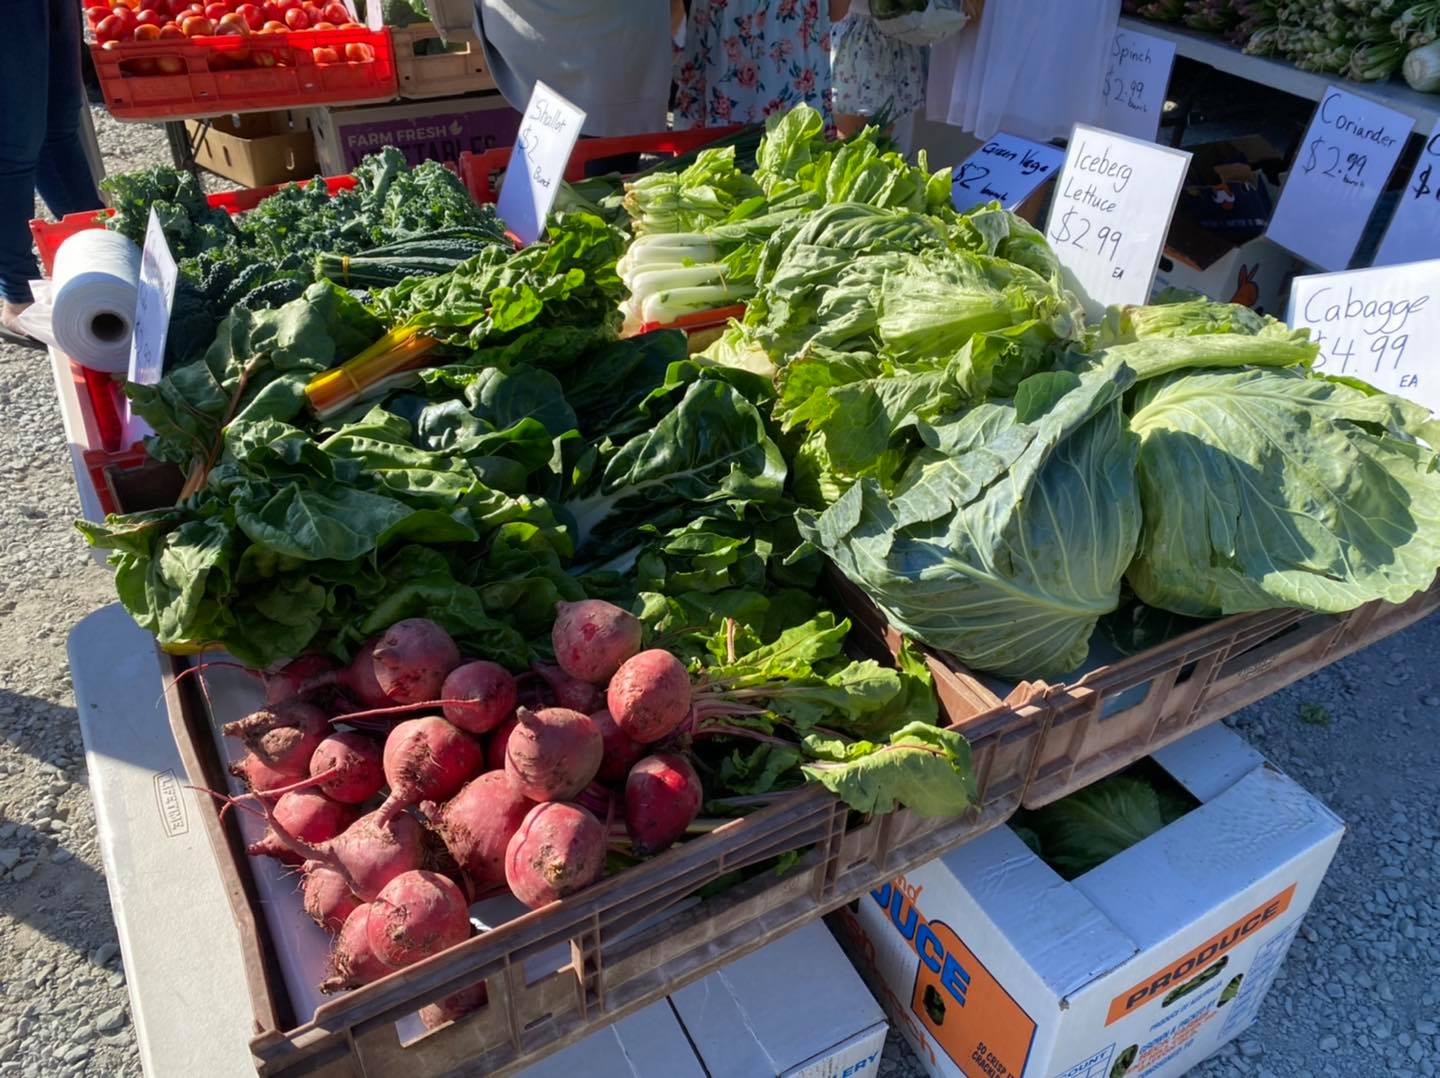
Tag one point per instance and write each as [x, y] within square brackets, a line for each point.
[938, 20]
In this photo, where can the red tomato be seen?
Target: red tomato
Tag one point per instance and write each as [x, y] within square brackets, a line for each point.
[109, 45]
[263, 58]
[271, 11]
[323, 26]
[176, 7]
[297, 20]
[336, 13]
[125, 15]
[149, 17]
[197, 26]
[325, 55]
[169, 32]
[232, 23]
[146, 31]
[109, 29]
[358, 52]
[152, 5]
[215, 11]
[286, 5]
[252, 15]
[95, 14]
[170, 65]
[99, 5]
[273, 27]
[311, 12]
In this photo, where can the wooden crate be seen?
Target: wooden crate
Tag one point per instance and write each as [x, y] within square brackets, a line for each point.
[612, 970]
[420, 75]
[1107, 719]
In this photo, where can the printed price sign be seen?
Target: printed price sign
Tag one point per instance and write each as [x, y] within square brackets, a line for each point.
[1344, 160]
[1378, 325]
[537, 165]
[153, 299]
[1136, 78]
[1111, 212]
[1414, 231]
[1006, 169]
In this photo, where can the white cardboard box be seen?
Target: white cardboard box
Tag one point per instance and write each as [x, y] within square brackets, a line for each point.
[995, 967]
[794, 1008]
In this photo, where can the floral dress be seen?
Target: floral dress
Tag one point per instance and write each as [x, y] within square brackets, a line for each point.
[745, 59]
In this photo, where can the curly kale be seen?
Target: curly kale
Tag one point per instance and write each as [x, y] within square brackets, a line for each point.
[190, 224]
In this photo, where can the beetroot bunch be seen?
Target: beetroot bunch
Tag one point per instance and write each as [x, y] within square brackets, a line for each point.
[412, 781]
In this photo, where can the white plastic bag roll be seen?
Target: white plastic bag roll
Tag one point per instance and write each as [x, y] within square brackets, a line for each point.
[96, 278]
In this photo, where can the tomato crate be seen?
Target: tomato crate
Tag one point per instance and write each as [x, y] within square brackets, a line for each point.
[461, 69]
[212, 76]
[559, 973]
[1120, 712]
[49, 235]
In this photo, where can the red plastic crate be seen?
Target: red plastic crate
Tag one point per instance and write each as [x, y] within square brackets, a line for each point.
[49, 235]
[203, 89]
[476, 169]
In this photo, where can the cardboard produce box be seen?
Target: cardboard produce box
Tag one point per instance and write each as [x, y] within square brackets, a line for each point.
[1216, 245]
[255, 149]
[993, 966]
[434, 130]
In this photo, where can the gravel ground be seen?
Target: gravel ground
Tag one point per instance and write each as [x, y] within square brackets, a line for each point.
[1357, 996]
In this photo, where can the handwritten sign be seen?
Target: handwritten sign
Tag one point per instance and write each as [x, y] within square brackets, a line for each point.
[1378, 325]
[1345, 158]
[1414, 231]
[153, 299]
[1112, 209]
[1006, 169]
[548, 132]
[1133, 97]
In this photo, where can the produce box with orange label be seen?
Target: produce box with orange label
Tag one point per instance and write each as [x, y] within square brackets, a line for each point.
[1127, 931]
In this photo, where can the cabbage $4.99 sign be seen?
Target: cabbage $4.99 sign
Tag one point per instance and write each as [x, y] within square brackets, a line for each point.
[1377, 325]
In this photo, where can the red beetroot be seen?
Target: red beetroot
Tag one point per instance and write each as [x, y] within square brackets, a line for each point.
[411, 660]
[352, 962]
[558, 850]
[553, 754]
[283, 736]
[417, 914]
[352, 762]
[620, 752]
[649, 696]
[356, 680]
[592, 638]
[328, 898]
[307, 815]
[427, 759]
[662, 797]
[258, 775]
[488, 694]
[568, 692]
[496, 742]
[298, 678]
[477, 824]
[456, 1005]
[371, 852]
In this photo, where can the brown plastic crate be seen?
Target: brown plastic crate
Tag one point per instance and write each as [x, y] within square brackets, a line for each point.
[609, 974]
[445, 74]
[1111, 717]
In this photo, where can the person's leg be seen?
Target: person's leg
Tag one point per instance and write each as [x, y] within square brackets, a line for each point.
[24, 70]
[63, 174]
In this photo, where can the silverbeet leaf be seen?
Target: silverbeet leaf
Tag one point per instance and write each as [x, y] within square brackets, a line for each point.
[923, 767]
